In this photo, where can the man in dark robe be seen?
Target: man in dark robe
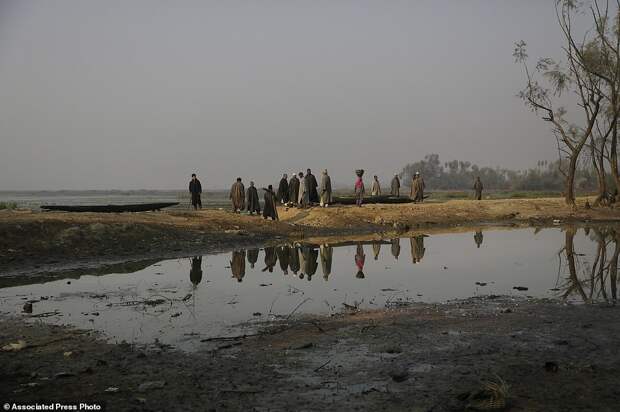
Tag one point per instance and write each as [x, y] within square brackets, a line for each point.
[269, 209]
[478, 188]
[283, 253]
[311, 187]
[195, 189]
[252, 200]
[237, 264]
[395, 186]
[326, 189]
[270, 259]
[283, 189]
[237, 195]
[293, 259]
[293, 189]
[252, 257]
[327, 253]
[195, 274]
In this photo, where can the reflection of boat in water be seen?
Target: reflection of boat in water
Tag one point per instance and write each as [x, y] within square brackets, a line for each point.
[142, 207]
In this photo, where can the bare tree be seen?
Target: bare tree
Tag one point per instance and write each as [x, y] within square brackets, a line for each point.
[546, 83]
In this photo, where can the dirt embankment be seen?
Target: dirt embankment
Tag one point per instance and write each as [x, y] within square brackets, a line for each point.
[543, 356]
[32, 241]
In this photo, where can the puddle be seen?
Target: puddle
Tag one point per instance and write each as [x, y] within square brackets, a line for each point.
[183, 301]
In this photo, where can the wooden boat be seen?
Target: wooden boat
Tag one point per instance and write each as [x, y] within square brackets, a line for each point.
[143, 207]
[350, 200]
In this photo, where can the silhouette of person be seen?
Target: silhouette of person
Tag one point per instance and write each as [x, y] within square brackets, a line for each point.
[195, 273]
[395, 248]
[327, 253]
[252, 257]
[294, 259]
[478, 238]
[360, 259]
[376, 249]
[237, 264]
[271, 259]
[283, 253]
[417, 248]
[310, 263]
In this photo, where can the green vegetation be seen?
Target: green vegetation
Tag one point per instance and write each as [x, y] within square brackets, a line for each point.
[8, 205]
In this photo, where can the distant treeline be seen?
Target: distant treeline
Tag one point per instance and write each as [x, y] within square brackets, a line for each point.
[460, 175]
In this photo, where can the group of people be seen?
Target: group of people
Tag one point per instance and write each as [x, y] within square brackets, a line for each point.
[304, 191]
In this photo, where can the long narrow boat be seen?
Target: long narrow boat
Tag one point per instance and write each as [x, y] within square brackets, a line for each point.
[143, 207]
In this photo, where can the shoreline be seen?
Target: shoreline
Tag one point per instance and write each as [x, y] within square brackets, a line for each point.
[36, 243]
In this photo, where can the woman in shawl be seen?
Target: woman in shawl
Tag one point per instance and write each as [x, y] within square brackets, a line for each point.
[359, 189]
[269, 209]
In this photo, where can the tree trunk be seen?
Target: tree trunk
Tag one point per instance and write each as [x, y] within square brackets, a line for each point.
[599, 166]
[569, 193]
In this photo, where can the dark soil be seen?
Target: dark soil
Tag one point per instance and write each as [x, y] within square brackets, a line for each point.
[551, 357]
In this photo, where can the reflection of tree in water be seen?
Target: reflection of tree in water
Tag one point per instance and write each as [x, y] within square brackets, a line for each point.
[237, 264]
[327, 253]
[252, 257]
[478, 237]
[271, 259]
[195, 273]
[590, 282]
[417, 248]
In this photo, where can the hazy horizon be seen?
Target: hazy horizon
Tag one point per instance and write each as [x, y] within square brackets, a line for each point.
[138, 95]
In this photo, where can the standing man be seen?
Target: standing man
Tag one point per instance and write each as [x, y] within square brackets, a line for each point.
[311, 185]
[326, 189]
[283, 189]
[252, 200]
[195, 189]
[417, 188]
[478, 188]
[302, 198]
[269, 207]
[376, 187]
[237, 195]
[293, 189]
[395, 185]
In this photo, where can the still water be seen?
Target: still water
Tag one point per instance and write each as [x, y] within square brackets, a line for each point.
[182, 301]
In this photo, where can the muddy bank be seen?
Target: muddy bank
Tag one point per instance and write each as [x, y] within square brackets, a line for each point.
[42, 242]
[551, 357]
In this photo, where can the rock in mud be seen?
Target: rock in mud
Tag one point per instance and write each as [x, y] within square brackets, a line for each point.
[147, 386]
[399, 374]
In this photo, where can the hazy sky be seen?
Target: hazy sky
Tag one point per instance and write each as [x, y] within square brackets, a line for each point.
[139, 94]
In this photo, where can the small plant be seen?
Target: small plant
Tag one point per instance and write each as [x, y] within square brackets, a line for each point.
[8, 205]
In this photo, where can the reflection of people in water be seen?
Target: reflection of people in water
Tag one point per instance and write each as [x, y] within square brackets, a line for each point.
[271, 259]
[360, 259]
[395, 247]
[478, 238]
[310, 263]
[376, 248]
[293, 259]
[252, 257]
[417, 248]
[237, 264]
[283, 253]
[327, 253]
[195, 274]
